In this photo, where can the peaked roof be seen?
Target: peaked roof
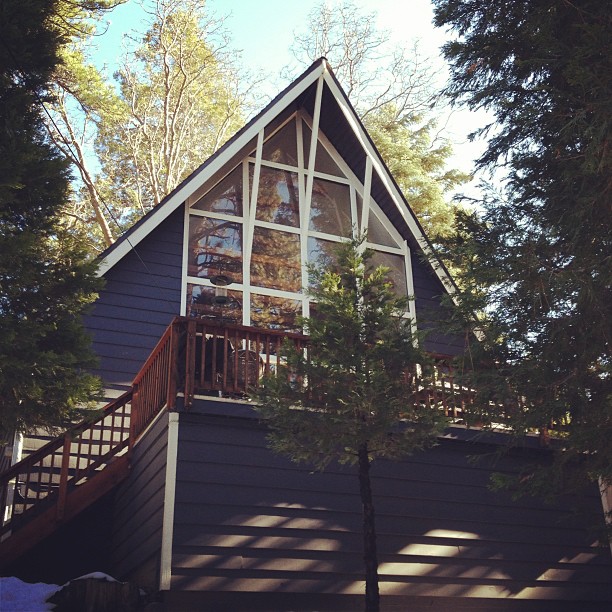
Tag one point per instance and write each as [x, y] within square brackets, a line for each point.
[342, 126]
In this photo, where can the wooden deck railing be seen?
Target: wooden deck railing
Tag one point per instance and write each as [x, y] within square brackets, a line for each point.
[193, 357]
[46, 477]
[230, 360]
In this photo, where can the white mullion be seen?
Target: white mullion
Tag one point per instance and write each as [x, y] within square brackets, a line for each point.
[216, 215]
[290, 229]
[255, 189]
[367, 186]
[279, 166]
[279, 293]
[303, 217]
[249, 227]
[183, 305]
[386, 249]
[411, 294]
[313, 150]
[246, 252]
[301, 165]
[314, 139]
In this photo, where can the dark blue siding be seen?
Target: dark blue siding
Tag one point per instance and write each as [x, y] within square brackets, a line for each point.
[138, 510]
[431, 311]
[248, 521]
[140, 298]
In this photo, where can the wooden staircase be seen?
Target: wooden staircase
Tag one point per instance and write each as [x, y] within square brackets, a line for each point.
[58, 481]
[68, 474]
[193, 358]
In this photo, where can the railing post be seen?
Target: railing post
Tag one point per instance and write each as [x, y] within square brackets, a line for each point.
[63, 483]
[173, 367]
[190, 349]
[133, 418]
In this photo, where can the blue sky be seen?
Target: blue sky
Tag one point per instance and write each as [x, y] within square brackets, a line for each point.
[263, 31]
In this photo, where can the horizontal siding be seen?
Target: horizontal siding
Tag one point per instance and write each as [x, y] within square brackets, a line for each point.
[247, 520]
[430, 310]
[138, 510]
[140, 298]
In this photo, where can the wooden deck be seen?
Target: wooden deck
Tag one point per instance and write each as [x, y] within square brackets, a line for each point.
[193, 357]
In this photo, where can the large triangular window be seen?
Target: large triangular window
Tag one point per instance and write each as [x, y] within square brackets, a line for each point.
[275, 212]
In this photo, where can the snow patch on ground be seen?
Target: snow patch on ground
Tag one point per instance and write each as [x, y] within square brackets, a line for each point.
[19, 596]
[97, 576]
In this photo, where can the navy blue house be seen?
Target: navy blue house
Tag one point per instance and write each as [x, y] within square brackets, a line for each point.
[194, 505]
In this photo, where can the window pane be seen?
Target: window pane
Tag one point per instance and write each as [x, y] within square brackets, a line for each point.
[377, 232]
[330, 208]
[225, 197]
[323, 161]
[201, 303]
[274, 312]
[359, 202]
[278, 197]
[275, 261]
[215, 247]
[322, 253]
[397, 270]
[282, 147]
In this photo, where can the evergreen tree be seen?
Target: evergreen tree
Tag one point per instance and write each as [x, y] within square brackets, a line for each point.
[417, 162]
[44, 279]
[391, 87]
[351, 397]
[181, 100]
[537, 257]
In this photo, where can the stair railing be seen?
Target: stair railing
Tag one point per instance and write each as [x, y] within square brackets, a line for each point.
[45, 477]
[193, 356]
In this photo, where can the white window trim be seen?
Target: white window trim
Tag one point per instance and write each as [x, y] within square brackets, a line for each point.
[306, 176]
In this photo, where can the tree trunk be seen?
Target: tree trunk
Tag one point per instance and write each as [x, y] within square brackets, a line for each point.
[370, 556]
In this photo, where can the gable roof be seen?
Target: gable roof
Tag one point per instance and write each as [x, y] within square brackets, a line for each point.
[339, 121]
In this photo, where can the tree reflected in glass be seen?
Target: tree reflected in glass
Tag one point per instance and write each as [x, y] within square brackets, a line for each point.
[215, 247]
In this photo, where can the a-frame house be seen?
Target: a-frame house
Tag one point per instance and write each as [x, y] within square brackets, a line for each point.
[174, 487]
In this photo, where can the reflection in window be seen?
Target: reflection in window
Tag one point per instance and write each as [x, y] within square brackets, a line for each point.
[201, 304]
[323, 160]
[225, 197]
[282, 147]
[277, 197]
[377, 233]
[330, 208]
[275, 260]
[397, 270]
[322, 253]
[274, 312]
[215, 247]
[359, 202]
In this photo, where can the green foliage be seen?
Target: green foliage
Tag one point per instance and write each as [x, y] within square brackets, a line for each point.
[182, 100]
[538, 255]
[391, 89]
[176, 98]
[354, 386]
[45, 281]
[418, 165]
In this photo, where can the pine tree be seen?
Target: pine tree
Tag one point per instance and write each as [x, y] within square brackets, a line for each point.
[537, 257]
[391, 87]
[45, 281]
[351, 397]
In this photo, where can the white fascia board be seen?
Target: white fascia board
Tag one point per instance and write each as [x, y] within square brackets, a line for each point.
[377, 164]
[177, 198]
